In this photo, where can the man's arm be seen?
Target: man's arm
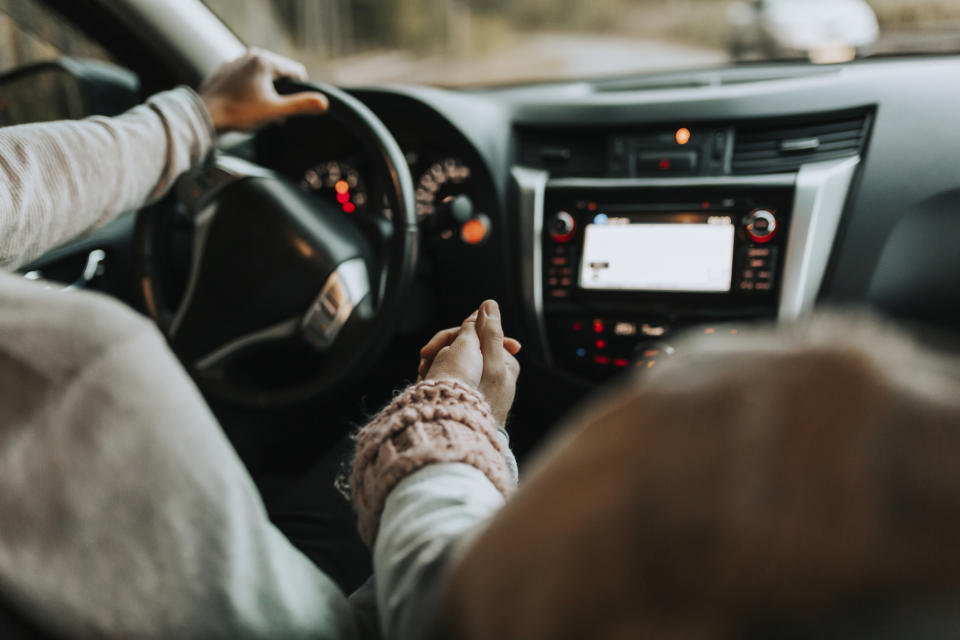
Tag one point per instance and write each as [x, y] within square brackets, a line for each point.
[61, 179]
[125, 512]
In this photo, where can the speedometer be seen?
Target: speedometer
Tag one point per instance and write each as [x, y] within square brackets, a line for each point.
[442, 182]
[338, 182]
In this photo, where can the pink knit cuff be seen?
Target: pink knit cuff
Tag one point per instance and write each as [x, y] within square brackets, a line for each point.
[433, 421]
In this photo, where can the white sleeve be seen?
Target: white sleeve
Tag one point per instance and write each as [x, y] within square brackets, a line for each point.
[125, 512]
[61, 179]
[427, 517]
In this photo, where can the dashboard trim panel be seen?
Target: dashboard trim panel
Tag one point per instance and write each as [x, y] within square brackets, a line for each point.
[822, 190]
[769, 180]
[532, 184]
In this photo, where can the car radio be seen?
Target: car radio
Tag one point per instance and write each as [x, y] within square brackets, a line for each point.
[624, 269]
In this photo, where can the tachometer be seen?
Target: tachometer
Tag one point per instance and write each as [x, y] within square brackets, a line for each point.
[440, 184]
[339, 182]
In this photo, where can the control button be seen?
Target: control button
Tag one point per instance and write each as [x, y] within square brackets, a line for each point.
[604, 360]
[562, 227]
[761, 225]
[559, 293]
[652, 330]
[601, 344]
[558, 261]
[620, 362]
[598, 326]
[667, 162]
[646, 356]
[625, 329]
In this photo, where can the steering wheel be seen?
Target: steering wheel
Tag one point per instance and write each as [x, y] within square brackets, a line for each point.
[279, 297]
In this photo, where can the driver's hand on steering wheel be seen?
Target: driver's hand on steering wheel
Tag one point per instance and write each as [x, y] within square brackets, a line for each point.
[477, 354]
[240, 95]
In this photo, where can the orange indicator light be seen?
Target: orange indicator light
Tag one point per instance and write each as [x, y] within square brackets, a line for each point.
[341, 186]
[474, 231]
[683, 135]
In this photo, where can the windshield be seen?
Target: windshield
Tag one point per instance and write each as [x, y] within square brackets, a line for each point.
[493, 42]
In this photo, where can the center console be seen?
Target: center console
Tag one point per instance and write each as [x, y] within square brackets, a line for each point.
[625, 268]
[617, 268]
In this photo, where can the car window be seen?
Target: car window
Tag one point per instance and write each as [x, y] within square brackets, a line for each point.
[490, 42]
[30, 32]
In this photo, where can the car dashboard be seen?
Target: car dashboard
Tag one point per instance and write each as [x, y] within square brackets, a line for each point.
[610, 218]
[618, 215]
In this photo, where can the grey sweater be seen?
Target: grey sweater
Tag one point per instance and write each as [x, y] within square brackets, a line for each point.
[124, 511]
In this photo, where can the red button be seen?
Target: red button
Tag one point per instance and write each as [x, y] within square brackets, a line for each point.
[601, 344]
[577, 326]
[620, 362]
[597, 326]
[602, 360]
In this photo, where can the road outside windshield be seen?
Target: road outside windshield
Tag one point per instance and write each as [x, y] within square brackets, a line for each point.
[492, 42]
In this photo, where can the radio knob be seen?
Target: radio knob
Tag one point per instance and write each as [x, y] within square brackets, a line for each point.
[761, 225]
[562, 226]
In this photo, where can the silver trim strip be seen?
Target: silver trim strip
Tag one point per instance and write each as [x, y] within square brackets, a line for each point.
[343, 291]
[770, 180]
[532, 184]
[822, 190]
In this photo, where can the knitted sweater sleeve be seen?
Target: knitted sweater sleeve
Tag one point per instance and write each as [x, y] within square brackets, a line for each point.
[431, 422]
[61, 179]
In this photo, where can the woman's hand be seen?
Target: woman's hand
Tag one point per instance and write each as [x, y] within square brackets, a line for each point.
[240, 95]
[477, 354]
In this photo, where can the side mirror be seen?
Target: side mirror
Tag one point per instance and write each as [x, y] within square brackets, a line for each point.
[66, 89]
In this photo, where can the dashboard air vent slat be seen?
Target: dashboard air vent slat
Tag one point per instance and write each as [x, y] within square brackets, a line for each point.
[785, 147]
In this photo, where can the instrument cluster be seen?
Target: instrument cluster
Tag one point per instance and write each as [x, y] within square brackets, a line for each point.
[445, 197]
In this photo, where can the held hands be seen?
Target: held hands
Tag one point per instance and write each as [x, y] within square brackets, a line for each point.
[477, 354]
[240, 95]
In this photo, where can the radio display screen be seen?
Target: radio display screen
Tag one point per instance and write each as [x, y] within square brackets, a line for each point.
[623, 254]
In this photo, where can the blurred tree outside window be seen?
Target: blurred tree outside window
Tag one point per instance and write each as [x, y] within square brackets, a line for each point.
[483, 42]
[30, 32]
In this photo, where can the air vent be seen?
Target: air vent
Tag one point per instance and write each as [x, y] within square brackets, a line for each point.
[564, 153]
[785, 147]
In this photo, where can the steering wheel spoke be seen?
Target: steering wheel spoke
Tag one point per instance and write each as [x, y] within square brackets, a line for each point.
[345, 292]
[227, 353]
